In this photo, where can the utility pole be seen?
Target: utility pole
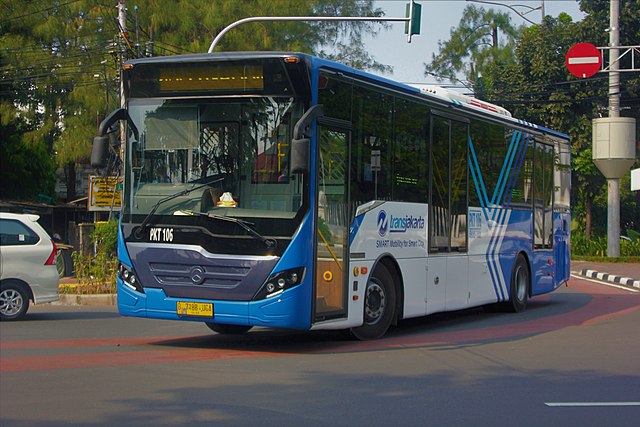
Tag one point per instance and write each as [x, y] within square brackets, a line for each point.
[614, 137]
[613, 184]
[122, 23]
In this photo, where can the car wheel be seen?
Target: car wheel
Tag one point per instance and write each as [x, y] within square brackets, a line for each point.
[379, 305]
[14, 301]
[221, 328]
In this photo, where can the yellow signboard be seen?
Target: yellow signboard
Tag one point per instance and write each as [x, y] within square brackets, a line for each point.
[105, 194]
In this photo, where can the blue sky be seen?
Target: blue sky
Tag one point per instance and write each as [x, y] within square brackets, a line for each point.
[438, 17]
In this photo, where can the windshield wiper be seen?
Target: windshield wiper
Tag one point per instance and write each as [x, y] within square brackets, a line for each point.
[246, 225]
[145, 222]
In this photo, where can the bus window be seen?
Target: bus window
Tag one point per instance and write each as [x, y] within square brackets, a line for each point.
[449, 166]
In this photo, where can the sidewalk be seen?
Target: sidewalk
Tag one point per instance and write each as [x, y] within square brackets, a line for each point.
[626, 274]
[82, 299]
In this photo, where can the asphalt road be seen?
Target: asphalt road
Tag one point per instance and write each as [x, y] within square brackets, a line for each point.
[570, 360]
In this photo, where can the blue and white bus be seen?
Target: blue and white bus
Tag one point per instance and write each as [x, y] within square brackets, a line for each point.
[287, 191]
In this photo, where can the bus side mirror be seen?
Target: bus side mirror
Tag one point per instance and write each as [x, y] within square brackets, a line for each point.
[299, 160]
[100, 151]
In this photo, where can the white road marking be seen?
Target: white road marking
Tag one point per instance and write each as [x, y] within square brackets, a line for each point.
[590, 404]
[602, 282]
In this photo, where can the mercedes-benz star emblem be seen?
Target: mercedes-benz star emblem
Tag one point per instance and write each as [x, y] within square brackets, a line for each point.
[197, 275]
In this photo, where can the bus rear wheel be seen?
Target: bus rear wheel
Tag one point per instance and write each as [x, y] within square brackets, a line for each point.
[222, 328]
[379, 305]
[520, 285]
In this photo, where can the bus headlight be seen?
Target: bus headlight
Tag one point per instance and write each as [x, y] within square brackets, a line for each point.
[280, 282]
[129, 278]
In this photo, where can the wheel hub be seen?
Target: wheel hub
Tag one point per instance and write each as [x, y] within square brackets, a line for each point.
[375, 301]
[10, 302]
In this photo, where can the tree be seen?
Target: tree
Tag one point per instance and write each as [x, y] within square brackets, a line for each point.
[482, 37]
[60, 60]
[51, 53]
[20, 158]
[190, 26]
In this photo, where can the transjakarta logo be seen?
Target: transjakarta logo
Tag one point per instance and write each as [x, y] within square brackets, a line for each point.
[394, 224]
[383, 223]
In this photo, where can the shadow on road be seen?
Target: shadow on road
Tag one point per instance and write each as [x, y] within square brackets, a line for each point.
[470, 327]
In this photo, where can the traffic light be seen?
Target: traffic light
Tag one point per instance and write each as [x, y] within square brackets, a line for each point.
[412, 25]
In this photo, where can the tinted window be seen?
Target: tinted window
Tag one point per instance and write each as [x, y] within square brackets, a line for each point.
[13, 232]
[411, 158]
[371, 151]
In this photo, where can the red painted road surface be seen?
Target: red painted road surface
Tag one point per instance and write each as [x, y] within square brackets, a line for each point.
[603, 303]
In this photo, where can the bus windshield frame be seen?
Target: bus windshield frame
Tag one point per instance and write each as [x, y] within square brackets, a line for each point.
[235, 140]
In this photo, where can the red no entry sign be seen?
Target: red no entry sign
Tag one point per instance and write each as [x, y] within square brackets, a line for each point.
[583, 60]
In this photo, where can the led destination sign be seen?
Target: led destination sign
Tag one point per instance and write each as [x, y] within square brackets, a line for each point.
[240, 77]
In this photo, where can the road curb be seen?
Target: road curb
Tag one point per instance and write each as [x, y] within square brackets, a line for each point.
[613, 278]
[80, 299]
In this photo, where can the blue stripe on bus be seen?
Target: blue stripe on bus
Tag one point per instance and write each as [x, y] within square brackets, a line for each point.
[495, 209]
[476, 174]
[506, 168]
[355, 226]
[517, 170]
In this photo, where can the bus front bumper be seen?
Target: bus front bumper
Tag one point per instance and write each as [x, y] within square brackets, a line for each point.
[282, 311]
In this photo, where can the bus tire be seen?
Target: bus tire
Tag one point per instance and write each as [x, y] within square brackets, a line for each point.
[379, 305]
[520, 285]
[222, 328]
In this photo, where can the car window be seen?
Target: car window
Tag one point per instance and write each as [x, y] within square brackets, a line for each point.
[14, 233]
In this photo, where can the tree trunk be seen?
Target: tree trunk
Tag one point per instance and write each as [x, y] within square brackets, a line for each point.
[587, 219]
[70, 177]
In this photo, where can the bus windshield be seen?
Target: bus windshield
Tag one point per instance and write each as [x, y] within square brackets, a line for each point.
[239, 147]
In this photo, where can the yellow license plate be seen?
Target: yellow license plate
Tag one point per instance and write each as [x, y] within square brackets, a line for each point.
[203, 309]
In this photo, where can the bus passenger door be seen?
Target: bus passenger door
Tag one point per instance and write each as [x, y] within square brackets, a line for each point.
[332, 227]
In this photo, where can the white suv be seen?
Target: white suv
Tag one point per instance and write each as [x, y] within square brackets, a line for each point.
[27, 265]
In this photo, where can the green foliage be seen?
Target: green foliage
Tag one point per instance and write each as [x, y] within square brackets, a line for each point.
[97, 274]
[105, 236]
[596, 246]
[325, 231]
[633, 235]
[483, 38]
[20, 158]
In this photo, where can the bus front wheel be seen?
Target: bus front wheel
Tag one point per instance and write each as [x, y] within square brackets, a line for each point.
[379, 305]
[221, 328]
[520, 284]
